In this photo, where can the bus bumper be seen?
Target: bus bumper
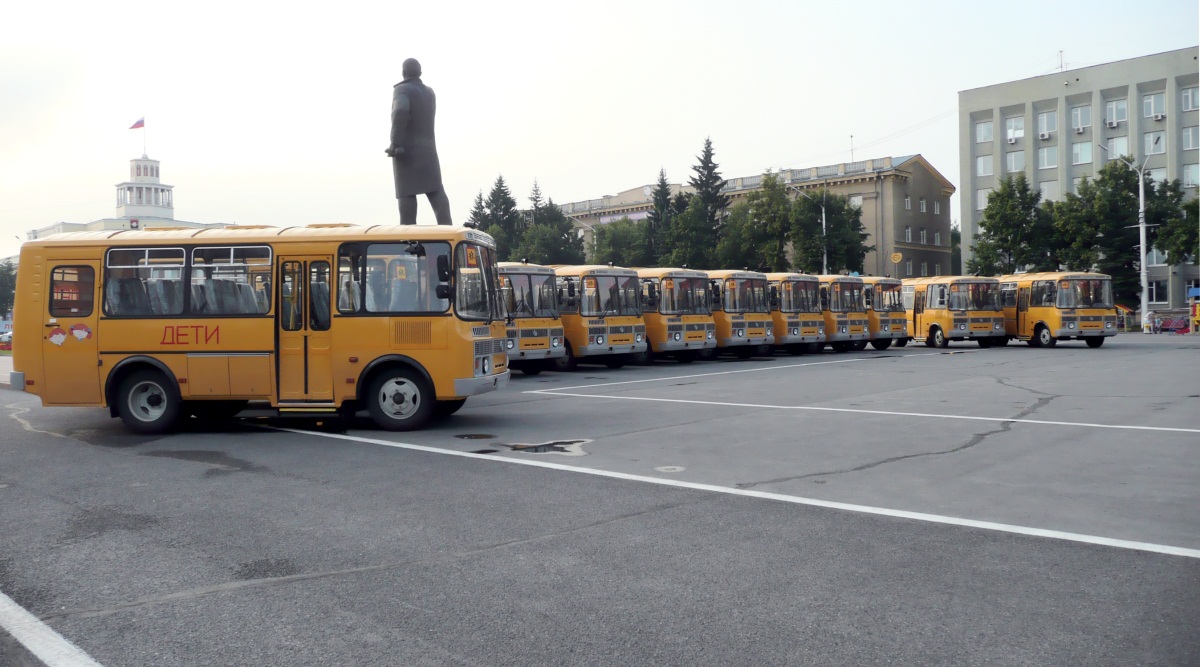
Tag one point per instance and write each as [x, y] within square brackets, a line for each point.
[480, 385]
[669, 346]
[527, 355]
[596, 350]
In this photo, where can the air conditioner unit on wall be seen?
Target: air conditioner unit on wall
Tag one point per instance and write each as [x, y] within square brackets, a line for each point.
[1113, 123]
[1044, 135]
[1079, 130]
[1159, 116]
[1012, 140]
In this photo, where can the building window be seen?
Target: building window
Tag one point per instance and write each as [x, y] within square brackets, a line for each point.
[1153, 104]
[981, 197]
[907, 203]
[1047, 157]
[1081, 117]
[856, 201]
[922, 204]
[1155, 142]
[1081, 153]
[924, 240]
[1075, 184]
[1014, 127]
[907, 234]
[937, 208]
[937, 269]
[1115, 111]
[1191, 138]
[1047, 122]
[983, 132]
[1014, 161]
[937, 238]
[1156, 257]
[1191, 99]
[983, 165]
[1156, 175]
[1117, 146]
[924, 268]
[1191, 175]
[908, 267]
[1157, 291]
[1049, 190]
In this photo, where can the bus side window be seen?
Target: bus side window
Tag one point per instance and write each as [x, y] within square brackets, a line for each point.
[824, 297]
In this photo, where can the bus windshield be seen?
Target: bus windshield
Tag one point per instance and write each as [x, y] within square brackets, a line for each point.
[746, 295]
[478, 283]
[610, 295]
[846, 297]
[683, 296]
[886, 299]
[1085, 293]
[797, 296]
[529, 295]
[974, 296]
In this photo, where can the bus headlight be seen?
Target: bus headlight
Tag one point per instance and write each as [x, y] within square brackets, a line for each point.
[637, 338]
[841, 329]
[741, 333]
[710, 334]
[678, 336]
[962, 327]
[510, 343]
[795, 332]
[1108, 325]
[821, 329]
[769, 331]
[997, 325]
[1070, 325]
[885, 328]
[599, 340]
[487, 366]
[554, 342]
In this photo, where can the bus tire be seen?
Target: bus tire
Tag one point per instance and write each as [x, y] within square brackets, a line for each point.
[984, 342]
[1094, 342]
[743, 352]
[644, 358]
[615, 361]
[148, 402]
[858, 345]
[686, 357]
[901, 342]
[399, 399]
[533, 367]
[938, 337]
[840, 346]
[795, 349]
[567, 362]
[443, 409]
[1042, 337]
[1001, 341]
[882, 343]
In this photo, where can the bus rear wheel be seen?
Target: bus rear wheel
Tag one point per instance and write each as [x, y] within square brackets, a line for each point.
[148, 402]
[881, 343]
[1094, 342]
[567, 362]
[400, 400]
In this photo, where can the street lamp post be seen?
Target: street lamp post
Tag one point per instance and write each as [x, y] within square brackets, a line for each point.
[824, 248]
[1141, 172]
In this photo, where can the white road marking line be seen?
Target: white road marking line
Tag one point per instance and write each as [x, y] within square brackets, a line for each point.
[1044, 422]
[740, 370]
[40, 639]
[766, 495]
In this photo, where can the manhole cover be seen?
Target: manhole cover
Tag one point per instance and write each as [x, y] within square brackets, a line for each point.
[475, 436]
[670, 468]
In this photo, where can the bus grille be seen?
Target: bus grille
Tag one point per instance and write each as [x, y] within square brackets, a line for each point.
[556, 332]
[672, 328]
[534, 333]
[413, 332]
[486, 347]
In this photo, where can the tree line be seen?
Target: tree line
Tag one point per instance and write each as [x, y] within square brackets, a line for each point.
[770, 231]
[1093, 228]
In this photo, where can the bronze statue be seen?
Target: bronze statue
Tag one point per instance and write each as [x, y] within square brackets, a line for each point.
[413, 151]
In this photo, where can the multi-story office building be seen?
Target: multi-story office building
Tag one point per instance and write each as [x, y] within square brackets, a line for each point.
[905, 206]
[1061, 127]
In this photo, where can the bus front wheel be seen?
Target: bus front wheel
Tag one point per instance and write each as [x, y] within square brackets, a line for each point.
[400, 400]
[901, 342]
[937, 338]
[1042, 337]
[881, 343]
[148, 402]
[1094, 342]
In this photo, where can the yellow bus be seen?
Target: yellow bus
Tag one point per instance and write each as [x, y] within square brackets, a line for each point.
[535, 331]
[1044, 308]
[844, 311]
[887, 321]
[404, 322]
[601, 314]
[741, 312]
[955, 308]
[796, 312]
[675, 308]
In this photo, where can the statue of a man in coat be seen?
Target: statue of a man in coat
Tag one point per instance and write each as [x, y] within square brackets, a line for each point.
[413, 151]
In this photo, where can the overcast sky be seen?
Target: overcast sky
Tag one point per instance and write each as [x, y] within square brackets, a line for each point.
[280, 117]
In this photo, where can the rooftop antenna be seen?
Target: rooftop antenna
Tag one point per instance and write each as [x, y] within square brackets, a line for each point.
[852, 148]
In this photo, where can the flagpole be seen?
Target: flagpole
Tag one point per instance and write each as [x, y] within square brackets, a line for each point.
[144, 153]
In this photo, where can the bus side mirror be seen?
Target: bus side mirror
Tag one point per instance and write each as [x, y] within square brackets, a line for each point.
[442, 291]
[443, 269]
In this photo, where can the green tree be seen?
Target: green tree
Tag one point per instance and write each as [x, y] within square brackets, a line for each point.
[1015, 232]
[502, 220]
[955, 250]
[658, 221]
[1178, 234]
[844, 241]
[691, 237]
[550, 238]
[743, 242]
[708, 184]
[623, 243]
[8, 287]
[478, 215]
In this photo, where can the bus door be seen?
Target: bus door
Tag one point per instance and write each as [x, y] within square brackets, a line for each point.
[1022, 310]
[919, 331]
[304, 320]
[70, 359]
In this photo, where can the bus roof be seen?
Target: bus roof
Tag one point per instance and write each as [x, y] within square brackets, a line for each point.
[881, 280]
[837, 277]
[593, 269]
[950, 280]
[793, 277]
[670, 272]
[248, 234]
[734, 273]
[525, 267]
[1053, 275]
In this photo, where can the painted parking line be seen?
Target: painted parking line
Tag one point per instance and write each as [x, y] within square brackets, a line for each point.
[40, 639]
[766, 495]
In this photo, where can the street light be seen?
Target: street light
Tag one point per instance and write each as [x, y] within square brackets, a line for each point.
[1141, 172]
[824, 251]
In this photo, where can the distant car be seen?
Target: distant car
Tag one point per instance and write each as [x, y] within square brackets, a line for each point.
[6, 337]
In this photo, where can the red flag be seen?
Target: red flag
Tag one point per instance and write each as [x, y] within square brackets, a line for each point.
[141, 122]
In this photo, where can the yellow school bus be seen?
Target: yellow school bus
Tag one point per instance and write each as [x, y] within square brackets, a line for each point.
[1044, 308]
[741, 312]
[675, 308]
[535, 331]
[887, 320]
[601, 314]
[796, 312]
[403, 322]
[949, 308]
[845, 312]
